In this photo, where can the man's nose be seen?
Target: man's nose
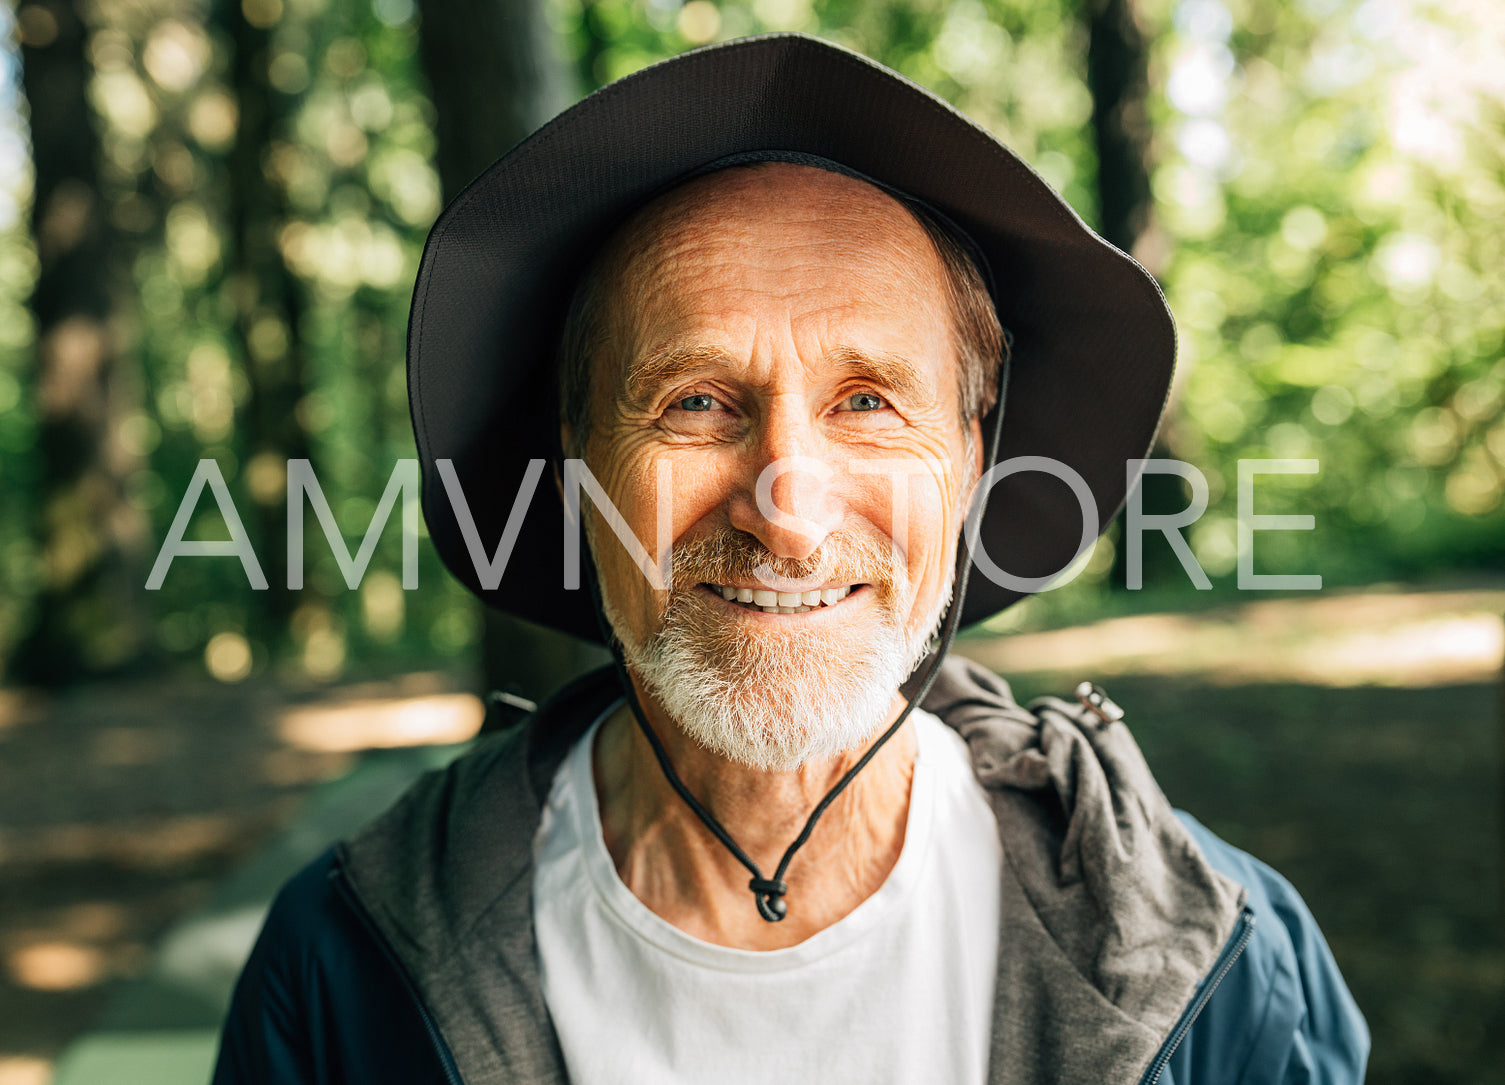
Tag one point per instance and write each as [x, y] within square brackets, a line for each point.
[789, 498]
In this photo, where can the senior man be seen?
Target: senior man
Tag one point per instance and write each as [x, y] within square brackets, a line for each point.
[783, 837]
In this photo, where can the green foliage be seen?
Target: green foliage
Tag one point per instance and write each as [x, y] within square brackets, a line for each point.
[1335, 212]
[354, 163]
[1329, 182]
[18, 269]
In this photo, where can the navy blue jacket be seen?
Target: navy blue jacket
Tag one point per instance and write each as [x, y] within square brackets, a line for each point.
[325, 998]
[321, 1002]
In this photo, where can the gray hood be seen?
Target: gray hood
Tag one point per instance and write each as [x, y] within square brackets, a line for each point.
[1110, 915]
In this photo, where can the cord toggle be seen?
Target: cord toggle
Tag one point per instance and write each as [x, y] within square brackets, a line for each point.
[769, 893]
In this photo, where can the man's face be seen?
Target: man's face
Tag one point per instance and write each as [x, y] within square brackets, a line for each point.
[787, 328]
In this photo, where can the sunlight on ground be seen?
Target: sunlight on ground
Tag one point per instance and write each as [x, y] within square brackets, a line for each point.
[16, 706]
[24, 1071]
[378, 724]
[147, 843]
[166, 1057]
[56, 966]
[207, 950]
[1414, 639]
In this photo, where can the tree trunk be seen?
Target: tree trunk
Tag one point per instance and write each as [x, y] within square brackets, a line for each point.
[1118, 78]
[91, 614]
[495, 75]
[268, 301]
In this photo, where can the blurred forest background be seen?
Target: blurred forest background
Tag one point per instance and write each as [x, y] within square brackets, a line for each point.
[209, 231]
[212, 211]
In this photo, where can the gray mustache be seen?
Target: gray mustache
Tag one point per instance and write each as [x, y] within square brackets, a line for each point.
[733, 555]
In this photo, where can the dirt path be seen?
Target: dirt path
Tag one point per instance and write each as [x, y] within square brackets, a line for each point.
[121, 806]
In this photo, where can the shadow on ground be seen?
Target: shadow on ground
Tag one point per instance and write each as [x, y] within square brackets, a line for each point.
[124, 806]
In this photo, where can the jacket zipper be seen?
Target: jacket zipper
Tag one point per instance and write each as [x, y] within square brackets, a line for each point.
[1231, 951]
[441, 1049]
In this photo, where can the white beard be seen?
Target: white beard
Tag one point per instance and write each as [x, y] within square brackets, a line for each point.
[775, 700]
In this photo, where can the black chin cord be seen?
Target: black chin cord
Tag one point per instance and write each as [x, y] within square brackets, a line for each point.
[769, 893]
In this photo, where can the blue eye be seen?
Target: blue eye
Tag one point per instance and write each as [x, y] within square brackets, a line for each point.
[864, 401]
[699, 402]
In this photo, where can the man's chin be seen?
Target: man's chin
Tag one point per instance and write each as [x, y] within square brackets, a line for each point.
[772, 702]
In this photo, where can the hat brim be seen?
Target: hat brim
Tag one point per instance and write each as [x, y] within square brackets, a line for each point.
[1094, 344]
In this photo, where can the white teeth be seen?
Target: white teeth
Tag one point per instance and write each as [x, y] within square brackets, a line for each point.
[784, 602]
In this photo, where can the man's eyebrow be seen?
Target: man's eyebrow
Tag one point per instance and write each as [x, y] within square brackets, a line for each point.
[891, 371]
[669, 366]
[658, 369]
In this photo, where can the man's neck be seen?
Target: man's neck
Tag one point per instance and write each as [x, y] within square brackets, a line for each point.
[674, 865]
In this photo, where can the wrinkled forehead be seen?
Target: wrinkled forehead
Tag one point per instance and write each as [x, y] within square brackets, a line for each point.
[794, 219]
[756, 194]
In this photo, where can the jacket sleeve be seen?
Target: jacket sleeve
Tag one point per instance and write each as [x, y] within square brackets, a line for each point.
[318, 1003]
[264, 1038]
[1330, 1041]
[1283, 1015]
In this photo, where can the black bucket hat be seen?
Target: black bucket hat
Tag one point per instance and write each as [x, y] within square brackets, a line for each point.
[1093, 341]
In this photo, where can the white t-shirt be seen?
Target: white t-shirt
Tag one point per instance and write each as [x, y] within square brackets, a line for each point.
[899, 991]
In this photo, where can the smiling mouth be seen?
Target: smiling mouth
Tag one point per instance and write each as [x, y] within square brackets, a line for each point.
[782, 602]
